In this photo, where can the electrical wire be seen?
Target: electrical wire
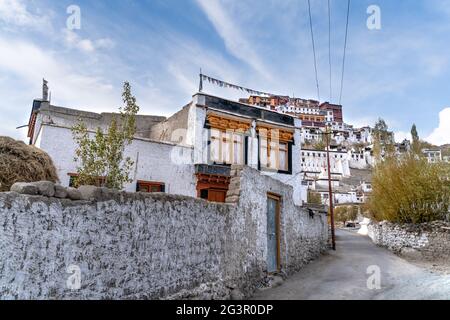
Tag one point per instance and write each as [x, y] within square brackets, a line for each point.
[329, 48]
[345, 49]
[314, 50]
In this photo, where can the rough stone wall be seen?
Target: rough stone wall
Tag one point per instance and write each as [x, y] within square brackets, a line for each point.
[150, 246]
[134, 246]
[167, 130]
[429, 241]
[303, 237]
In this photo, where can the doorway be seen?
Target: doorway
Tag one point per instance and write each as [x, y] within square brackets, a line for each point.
[273, 233]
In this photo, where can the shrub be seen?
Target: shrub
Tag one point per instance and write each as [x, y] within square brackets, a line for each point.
[314, 197]
[409, 190]
[346, 213]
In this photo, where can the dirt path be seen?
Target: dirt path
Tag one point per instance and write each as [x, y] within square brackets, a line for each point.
[343, 275]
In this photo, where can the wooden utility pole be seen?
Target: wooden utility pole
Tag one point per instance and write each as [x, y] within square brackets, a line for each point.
[330, 192]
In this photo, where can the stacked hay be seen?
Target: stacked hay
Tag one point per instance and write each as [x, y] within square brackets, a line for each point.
[23, 163]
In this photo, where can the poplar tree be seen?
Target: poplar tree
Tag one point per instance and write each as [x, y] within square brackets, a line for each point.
[100, 154]
[415, 139]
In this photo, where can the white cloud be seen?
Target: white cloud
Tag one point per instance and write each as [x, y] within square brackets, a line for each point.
[233, 37]
[73, 40]
[441, 135]
[16, 13]
[28, 64]
[402, 135]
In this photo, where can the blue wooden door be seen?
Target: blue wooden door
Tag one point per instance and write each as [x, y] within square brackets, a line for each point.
[272, 234]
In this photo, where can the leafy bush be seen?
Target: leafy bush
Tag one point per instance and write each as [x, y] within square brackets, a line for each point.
[410, 190]
[314, 197]
[346, 213]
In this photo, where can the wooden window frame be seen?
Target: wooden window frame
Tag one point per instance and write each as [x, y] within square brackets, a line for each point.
[288, 154]
[149, 185]
[227, 139]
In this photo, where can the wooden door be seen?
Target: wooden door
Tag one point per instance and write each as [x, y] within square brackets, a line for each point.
[273, 236]
[217, 195]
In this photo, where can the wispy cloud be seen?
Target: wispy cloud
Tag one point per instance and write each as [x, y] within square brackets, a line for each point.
[235, 41]
[29, 63]
[73, 40]
[15, 13]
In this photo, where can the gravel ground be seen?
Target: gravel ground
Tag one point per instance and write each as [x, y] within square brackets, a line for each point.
[342, 275]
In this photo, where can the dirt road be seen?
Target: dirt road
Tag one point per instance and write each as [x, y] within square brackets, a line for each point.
[344, 275]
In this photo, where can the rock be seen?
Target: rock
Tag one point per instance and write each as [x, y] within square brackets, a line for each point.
[60, 191]
[45, 188]
[73, 194]
[411, 253]
[232, 199]
[236, 294]
[276, 281]
[90, 192]
[108, 194]
[24, 188]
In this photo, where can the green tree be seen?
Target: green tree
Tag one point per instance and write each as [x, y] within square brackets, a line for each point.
[383, 140]
[102, 155]
[320, 145]
[346, 213]
[415, 140]
[314, 197]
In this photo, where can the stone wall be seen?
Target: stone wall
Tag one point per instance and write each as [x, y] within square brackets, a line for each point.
[149, 246]
[430, 241]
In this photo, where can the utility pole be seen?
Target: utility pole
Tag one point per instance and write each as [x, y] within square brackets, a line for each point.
[330, 192]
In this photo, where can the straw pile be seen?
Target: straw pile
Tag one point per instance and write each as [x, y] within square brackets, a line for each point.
[23, 163]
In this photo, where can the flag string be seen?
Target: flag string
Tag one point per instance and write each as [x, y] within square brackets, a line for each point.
[224, 84]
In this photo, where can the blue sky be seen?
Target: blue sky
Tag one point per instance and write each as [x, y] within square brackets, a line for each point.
[400, 73]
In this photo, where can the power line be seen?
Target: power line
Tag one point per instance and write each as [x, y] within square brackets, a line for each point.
[314, 49]
[329, 46]
[345, 49]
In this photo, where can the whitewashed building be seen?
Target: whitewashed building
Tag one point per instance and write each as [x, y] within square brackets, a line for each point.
[189, 153]
[433, 155]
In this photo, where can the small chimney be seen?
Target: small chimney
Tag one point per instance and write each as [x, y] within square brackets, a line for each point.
[44, 90]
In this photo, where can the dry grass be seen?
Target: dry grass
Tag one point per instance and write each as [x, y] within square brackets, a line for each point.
[23, 163]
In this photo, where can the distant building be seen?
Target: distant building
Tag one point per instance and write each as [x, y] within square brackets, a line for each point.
[335, 109]
[433, 155]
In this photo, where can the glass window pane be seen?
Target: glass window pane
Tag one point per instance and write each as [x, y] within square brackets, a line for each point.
[283, 161]
[226, 147]
[238, 149]
[263, 152]
[214, 147]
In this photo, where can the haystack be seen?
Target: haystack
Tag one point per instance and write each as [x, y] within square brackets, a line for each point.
[20, 162]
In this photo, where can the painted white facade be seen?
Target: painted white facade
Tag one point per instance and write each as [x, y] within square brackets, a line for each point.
[433, 155]
[315, 162]
[170, 160]
[199, 135]
[153, 161]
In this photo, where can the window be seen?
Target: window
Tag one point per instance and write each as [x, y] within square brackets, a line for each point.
[274, 154]
[149, 186]
[226, 147]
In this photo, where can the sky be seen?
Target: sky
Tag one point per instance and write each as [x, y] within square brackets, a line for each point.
[400, 72]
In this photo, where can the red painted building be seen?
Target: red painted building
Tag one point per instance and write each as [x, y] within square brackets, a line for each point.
[336, 108]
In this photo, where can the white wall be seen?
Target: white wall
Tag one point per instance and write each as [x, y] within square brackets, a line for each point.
[153, 161]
